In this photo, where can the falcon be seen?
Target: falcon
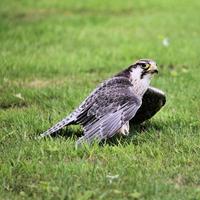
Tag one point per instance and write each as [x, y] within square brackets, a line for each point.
[125, 98]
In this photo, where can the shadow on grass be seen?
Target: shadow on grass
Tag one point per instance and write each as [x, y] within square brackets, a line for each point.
[68, 132]
[135, 130]
[10, 105]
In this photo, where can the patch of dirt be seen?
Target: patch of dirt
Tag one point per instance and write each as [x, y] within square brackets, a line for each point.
[35, 83]
[44, 83]
[179, 181]
[38, 14]
[38, 83]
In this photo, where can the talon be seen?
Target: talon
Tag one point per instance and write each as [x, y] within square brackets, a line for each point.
[124, 130]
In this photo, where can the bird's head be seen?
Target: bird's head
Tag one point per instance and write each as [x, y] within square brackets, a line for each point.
[140, 72]
[143, 69]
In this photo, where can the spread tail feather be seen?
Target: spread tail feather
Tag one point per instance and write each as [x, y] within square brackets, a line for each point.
[58, 126]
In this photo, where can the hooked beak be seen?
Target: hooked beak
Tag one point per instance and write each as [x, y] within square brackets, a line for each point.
[153, 69]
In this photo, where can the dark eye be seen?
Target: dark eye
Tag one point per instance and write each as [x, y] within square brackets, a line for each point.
[145, 65]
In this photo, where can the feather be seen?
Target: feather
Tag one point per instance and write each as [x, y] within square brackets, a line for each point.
[111, 105]
[152, 101]
[111, 122]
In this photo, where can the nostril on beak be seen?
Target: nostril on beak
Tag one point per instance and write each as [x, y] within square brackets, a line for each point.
[155, 71]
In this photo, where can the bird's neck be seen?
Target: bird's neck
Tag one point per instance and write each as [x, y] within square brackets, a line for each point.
[140, 86]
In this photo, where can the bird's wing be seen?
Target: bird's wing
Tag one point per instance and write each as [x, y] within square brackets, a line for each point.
[112, 108]
[80, 114]
[76, 115]
[152, 101]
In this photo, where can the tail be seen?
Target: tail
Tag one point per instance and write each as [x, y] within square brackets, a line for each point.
[66, 121]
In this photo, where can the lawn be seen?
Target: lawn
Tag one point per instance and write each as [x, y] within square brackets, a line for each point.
[52, 54]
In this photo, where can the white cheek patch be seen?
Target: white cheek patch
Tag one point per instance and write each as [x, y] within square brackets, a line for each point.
[140, 85]
[136, 73]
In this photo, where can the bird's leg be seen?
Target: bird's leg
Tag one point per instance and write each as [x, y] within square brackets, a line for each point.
[124, 130]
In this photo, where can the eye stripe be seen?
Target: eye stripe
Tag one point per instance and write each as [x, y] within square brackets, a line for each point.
[145, 65]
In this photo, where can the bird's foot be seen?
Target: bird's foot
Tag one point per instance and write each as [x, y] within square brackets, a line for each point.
[124, 130]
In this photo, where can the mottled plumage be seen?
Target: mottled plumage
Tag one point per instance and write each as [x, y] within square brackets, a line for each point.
[110, 107]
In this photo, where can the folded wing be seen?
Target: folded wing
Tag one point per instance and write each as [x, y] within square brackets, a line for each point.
[112, 108]
[152, 101]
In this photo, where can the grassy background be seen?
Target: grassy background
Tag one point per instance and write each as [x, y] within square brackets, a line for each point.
[52, 53]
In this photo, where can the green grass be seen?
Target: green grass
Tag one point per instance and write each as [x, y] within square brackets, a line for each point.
[52, 54]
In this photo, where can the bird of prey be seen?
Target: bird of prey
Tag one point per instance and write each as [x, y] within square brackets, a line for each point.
[126, 97]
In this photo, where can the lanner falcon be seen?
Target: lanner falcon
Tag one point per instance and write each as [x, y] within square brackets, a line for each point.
[126, 97]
